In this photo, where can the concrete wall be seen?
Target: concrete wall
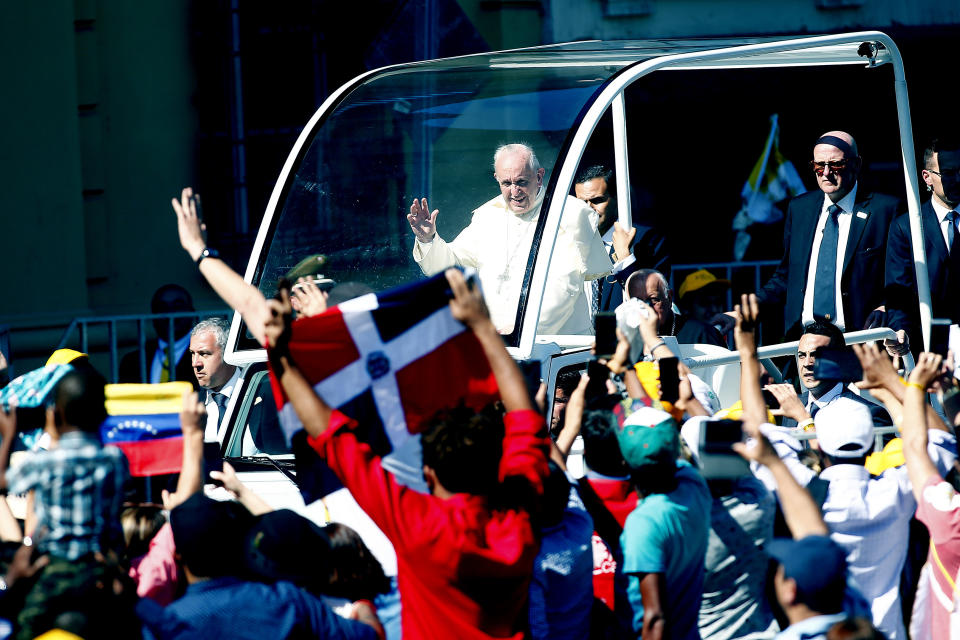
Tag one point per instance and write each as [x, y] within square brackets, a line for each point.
[98, 132]
[625, 19]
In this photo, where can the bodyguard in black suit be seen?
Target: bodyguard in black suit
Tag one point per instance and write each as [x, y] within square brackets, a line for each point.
[597, 187]
[820, 226]
[800, 411]
[941, 173]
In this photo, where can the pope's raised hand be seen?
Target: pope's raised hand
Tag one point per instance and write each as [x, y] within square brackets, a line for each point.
[422, 221]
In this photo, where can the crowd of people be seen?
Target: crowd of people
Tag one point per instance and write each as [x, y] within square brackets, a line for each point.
[771, 518]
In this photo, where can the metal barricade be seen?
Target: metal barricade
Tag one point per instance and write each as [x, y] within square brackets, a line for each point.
[878, 434]
[114, 324]
[728, 269]
[765, 353]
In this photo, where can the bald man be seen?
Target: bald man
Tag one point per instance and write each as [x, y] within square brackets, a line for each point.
[834, 245]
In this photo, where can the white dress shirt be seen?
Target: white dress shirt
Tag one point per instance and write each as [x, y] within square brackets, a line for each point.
[497, 243]
[942, 212]
[847, 203]
[869, 517]
[211, 433]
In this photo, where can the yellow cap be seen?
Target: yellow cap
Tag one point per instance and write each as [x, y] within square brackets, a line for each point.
[890, 457]
[698, 280]
[735, 412]
[65, 356]
[58, 634]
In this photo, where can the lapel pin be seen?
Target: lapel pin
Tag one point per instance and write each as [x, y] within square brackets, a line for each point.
[861, 214]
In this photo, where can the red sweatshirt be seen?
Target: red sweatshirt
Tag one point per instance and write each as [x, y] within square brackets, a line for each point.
[463, 569]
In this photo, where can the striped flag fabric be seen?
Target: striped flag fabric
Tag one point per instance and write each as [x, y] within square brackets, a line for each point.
[143, 420]
[390, 361]
[772, 179]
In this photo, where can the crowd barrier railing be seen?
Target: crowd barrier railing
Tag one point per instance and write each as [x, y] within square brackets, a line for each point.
[114, 324]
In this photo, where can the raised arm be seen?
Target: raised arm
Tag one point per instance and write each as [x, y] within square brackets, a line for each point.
[748, 314]
[799, 509]
[313, 412]
[468, 307]
[192, 420]
[920, 467]
[422, 221]
[883, 382]
[572, 422]
[229, 285]
[241, 492]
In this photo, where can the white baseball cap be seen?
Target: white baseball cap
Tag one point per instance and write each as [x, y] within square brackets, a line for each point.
[845, 428]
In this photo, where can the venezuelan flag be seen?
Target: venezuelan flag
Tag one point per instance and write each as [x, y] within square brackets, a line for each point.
[144, 422]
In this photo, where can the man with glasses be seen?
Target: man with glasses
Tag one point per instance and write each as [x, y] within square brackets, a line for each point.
[498, 240]
[650, 286]
[834, 244]
[941, 238]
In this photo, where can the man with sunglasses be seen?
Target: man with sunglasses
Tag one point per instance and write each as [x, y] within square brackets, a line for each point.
[941, 239]
[834, 245]
[597, 186]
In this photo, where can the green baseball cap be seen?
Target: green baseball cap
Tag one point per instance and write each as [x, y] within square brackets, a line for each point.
[649, 438]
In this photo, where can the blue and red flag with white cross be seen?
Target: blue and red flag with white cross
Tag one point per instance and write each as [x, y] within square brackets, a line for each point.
[390, 361]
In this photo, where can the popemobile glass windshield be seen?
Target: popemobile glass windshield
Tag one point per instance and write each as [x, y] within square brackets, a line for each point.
[421, 131]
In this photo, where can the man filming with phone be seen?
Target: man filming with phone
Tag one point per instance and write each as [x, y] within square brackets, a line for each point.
[827, 368]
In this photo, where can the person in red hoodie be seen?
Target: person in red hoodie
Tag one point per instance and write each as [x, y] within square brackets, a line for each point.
[465, 552]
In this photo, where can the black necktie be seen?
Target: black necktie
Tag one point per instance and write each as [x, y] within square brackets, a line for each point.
[951, 231]
[221, 401]
[825, 284]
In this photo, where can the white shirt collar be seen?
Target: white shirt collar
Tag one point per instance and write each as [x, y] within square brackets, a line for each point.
[228, 388]
[940, 210]
[848, 202]
[826, 398]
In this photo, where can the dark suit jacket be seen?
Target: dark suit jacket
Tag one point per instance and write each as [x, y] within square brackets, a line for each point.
[861, 286]
[129, 370]
[943, 270]
[880, 416]
[650, 252]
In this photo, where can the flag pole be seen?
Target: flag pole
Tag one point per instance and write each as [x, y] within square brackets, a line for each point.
[766, 158]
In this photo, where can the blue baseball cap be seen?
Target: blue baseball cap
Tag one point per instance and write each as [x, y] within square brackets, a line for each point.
[819, 567]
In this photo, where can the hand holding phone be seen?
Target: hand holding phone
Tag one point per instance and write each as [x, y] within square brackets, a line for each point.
[597, 386]
[669, 380]
[605, 324]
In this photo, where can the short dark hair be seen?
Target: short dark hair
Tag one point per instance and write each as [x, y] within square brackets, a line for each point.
[601, 450]
[823, 327]
[355, 573]
[158, 303]
[598, 171]
[950, 142]
[463, 446]
[81, 398]
[568, 380]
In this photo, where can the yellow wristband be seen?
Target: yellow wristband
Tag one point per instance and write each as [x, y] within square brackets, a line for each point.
[917, 386]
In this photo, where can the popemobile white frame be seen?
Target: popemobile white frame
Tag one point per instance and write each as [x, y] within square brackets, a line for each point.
[868, 48]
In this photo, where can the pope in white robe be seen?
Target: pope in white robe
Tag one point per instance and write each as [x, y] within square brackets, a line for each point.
[497, 243]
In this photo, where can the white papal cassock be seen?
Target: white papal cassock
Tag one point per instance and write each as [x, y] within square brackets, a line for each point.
[497, 244]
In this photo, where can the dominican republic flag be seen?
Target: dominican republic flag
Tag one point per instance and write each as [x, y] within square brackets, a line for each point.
[143, 420]
[390, 361]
